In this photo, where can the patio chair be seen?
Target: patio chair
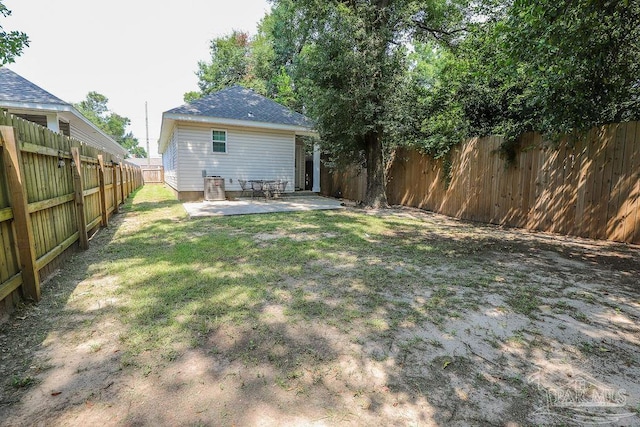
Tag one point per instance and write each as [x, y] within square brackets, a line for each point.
[279, 187]
[244, 186]
[257, 189]
[269, 188]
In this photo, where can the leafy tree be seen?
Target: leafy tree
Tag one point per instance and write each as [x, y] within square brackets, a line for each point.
[435, 121]
[283, 88]
[349, 64]
[580, 60]
[236, 59]
[375, 74]
[550, 66]
[192, 96]
[251, 62]
[94, 107]
[351, 58]
[229, 63]
[11, 43]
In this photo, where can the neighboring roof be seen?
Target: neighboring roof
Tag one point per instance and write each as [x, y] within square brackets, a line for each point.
[235, 106]
[16, 88]
[239, 103]
[19, 94]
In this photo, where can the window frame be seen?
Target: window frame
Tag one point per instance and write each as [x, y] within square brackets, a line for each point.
[226, 141]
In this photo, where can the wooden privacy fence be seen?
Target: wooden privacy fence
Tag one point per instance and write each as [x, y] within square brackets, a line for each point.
[587, 187]
[152, 174]
[54, 192]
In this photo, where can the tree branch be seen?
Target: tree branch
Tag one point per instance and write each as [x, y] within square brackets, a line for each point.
[439, 33]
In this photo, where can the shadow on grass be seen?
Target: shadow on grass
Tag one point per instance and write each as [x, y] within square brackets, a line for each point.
[340, 316]
[28, 328]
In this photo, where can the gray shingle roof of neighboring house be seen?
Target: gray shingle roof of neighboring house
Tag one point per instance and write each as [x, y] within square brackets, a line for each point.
[20, 96]
[18, 89]
[238, 103]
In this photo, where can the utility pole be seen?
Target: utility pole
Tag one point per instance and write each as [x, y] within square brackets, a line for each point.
[146, 122]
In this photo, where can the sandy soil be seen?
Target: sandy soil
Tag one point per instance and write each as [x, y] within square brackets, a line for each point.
[562, 350]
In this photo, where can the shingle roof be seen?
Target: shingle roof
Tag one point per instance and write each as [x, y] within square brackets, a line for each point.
[15, 88]
[239, 103]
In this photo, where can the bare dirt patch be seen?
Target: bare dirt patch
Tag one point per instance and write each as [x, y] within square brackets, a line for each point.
[397, 317]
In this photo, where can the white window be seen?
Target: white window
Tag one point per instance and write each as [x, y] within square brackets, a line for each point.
[219, 138]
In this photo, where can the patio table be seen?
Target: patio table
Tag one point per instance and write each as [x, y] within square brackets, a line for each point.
[267, 187]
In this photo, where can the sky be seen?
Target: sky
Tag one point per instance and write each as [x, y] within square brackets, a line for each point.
[131, 51]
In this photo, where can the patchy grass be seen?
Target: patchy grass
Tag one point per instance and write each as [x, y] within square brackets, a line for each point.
[186, 278]
[391, 317]
[22, 382]
[525, 301]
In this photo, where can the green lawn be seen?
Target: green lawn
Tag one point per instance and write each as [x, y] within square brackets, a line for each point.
[184, 278]
[327, 317]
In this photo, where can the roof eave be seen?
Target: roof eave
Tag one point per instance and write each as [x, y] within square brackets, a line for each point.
[234, 122]
[35, 106]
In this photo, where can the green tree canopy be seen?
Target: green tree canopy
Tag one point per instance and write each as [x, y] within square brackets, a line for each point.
[229, 64]
[251, 62]
[580, 60]
[351, 64]
[94, 107]
[11, 43]
[555, 67]
[375, 74]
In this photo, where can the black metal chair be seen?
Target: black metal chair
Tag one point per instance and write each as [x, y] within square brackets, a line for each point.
[244, 186]
[279, 187]
[257, 188]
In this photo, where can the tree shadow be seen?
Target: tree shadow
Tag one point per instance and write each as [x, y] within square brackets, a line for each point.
[345, 317]
[29, 329]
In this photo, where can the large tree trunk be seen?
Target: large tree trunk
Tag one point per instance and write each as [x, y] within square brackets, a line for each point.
[376, 195]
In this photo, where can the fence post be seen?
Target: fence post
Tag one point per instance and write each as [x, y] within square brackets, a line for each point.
[21, 218]
[128, 175]
[114, 187]
[79, 195]
[121, 182]
[103, 194]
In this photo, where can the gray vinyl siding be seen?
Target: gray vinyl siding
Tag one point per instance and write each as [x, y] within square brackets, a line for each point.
[251, 154]
[170, 163]
[88, 139]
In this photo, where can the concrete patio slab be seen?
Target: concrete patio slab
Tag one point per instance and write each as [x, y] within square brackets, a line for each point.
[257, 206]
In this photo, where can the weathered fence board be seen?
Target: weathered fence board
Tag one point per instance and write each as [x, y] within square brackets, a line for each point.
[152, 174]
[587, 187]
[51, 197]
[18, 192]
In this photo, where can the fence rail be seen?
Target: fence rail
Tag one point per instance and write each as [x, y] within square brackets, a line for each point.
[152, 174]
[587, 187]
[54, 192]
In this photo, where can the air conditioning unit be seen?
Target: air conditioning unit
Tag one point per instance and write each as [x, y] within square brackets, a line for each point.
[214, 188]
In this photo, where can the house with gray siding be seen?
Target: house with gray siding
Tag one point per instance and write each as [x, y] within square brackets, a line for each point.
[236, 134]
[26, 100]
